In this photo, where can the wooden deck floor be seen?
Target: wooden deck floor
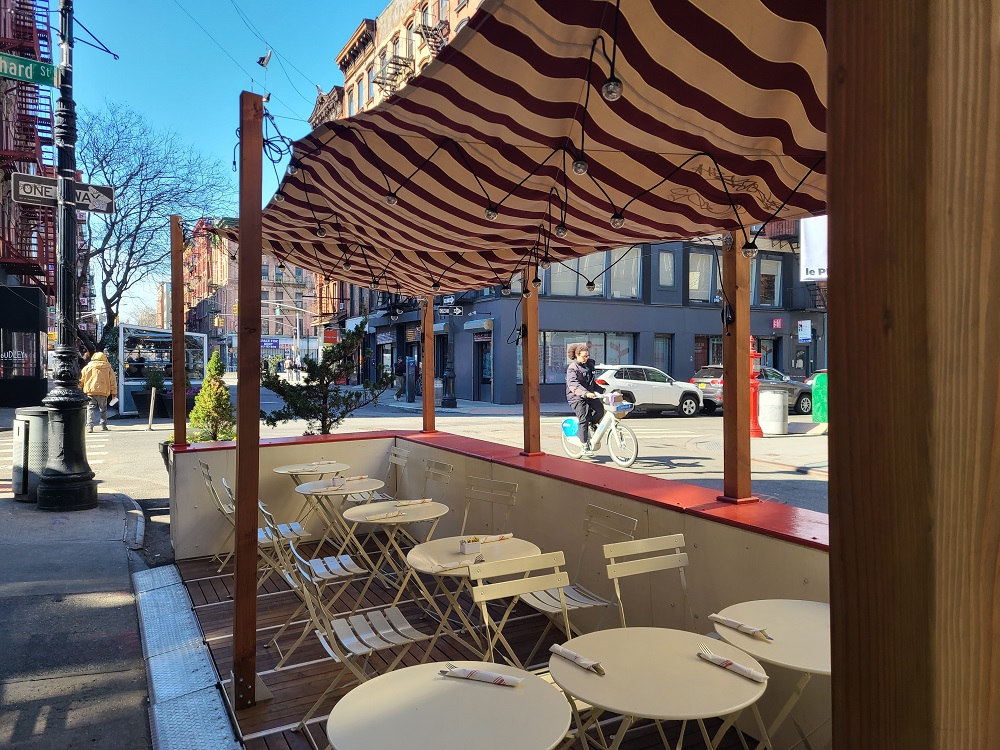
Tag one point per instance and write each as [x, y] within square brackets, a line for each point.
[296, 687]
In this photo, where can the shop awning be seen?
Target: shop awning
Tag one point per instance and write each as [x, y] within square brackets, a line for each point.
[466, 177]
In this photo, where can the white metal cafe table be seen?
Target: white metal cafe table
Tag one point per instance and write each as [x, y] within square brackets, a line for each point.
[329, 495]
[800, 633]
[392, 516]
[655, 673]
[417, 707]
[441, 558]
[298, 473]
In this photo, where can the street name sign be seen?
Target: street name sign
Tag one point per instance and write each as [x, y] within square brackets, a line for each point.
[43, 191]
[31, 71]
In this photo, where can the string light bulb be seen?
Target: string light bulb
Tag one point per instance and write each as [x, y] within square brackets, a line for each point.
[435, 287]
[591, 286]
[561, 230]
[292, 169]
[545, 263]
[580, 166]
[374, 285]
[525, 293]
[321, 231]
[279, 197]
[612, 89]
[536, 282]
[617, 221]
[347, 264]
[391, 199]
[491, 213]
[749, 250]
[505, 290]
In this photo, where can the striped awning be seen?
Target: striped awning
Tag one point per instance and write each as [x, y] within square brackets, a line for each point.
[466, 177]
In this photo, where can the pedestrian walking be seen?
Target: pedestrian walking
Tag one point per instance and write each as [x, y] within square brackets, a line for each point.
[298, 367]
[98, 381]
[400, 373]
[288, 366]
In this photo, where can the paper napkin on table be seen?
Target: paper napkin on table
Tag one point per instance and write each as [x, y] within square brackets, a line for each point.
[355, 479]
[421, 501]
[593, 666]
[742, 627]
[732, 666]
[452, 565]
[481, 676]
[380, 516]
[495, 538]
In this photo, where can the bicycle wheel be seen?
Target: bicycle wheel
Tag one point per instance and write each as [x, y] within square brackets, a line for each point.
[572, 449]
[623, 445]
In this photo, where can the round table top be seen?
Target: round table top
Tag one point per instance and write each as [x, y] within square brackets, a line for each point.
[316, 468]
[424, 557]
[800, 629]
[417, 707]
[327, 487]
[410, 513]
[656, 673]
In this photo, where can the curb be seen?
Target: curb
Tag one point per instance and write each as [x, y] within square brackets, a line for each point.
[135, 526]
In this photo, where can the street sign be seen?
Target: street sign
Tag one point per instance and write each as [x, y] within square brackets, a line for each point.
[31, 71]
[43, 191]
[269, 343]
[444, 311]
[449, 300]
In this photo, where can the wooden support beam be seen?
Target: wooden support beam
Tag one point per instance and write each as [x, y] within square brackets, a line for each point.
[914, 207]
[427, 368]
[529, 375]
[736, 373]
[178, 359]
[248, 401]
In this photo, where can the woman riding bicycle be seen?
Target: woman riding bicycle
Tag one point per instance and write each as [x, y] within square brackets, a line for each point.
[581, 392]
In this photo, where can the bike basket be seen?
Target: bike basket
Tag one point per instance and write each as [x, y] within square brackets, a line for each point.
[623, 409]
[570, 426]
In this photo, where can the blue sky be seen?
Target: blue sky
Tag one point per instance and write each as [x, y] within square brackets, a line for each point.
[183, 63]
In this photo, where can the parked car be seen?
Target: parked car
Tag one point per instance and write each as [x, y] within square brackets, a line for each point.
[709, 382]
[651, 390]
[811, 380]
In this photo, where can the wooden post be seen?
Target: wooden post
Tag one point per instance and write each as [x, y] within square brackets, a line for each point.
[529, 375]
[427, 368]
[736, 374]
[248, 401]
[914, 207]
[177, 356]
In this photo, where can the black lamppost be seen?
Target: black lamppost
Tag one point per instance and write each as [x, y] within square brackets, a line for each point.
[448, 400]
[67, 482]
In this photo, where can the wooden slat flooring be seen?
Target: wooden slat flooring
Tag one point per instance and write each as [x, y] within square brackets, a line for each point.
[296, 687]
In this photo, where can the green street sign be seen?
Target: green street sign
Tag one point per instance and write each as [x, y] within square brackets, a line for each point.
[23, 69]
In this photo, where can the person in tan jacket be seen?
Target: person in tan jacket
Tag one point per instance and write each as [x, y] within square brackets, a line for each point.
[98, 381]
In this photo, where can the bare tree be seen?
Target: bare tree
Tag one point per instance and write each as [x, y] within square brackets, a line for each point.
[154, 175]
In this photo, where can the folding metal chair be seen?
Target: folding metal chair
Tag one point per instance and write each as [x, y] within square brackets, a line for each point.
[268, 542]
[228, 511]
[600, 523]
[646, 556]
[397, 463]
[495, 493]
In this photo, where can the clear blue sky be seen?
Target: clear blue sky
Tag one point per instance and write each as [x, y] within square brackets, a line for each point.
[183, 64]
[187, 78]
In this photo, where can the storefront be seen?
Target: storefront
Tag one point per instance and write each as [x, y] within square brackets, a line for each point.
[22, 346]
[144, 351]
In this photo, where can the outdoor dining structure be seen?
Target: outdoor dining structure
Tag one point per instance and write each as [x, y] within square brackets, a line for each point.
[545, 131]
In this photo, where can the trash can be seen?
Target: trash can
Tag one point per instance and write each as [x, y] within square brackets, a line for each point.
[773, 411]
[31, 451]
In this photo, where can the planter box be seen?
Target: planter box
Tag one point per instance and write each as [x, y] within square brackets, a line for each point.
[141, 401]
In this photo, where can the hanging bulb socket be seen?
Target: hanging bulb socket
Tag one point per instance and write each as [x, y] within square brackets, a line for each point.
[347, 264]
[561, 230]
[544, 265]
[612, 89]
[374, 285]
[435, 287]
[505, 290]
[279, 197]
[391, 199]
[580, 166]
[292, 169]
[749, 250]
[591, 286]
[525, 293]
[321, 231]
[491, 213]
[536, 282]
[617, 221]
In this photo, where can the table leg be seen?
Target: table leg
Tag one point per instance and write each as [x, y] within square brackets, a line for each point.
[785, 710]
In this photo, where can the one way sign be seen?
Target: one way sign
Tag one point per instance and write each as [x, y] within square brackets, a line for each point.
[43, 191]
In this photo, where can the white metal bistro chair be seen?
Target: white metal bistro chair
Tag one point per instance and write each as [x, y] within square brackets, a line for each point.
[393, 474]
[599, 523]
[496, 494]
[268, 542]
[228, 511]
[642, 556]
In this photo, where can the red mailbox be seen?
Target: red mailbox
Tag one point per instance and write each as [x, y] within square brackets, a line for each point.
[755, 430]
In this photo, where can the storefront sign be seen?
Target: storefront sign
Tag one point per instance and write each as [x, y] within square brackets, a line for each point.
[269, 343]
[331, 336]
[411, 333]
[776, 324]
[385, 337]
[805, 331]
[482, 336]
[813, 249]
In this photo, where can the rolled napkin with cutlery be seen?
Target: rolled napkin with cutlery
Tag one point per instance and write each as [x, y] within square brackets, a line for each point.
[381, 516]
[452, 565]
[742, 627]
[357, 478]
[421, 501]
[732, 666]
[482, 676]
[593, 666]
[495, 538]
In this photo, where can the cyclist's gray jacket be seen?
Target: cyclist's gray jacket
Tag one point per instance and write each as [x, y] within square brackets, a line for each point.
[580, 381]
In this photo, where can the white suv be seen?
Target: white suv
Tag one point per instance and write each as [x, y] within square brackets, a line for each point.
[651, 390]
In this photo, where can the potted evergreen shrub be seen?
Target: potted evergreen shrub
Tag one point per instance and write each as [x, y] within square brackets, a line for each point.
[213, 416]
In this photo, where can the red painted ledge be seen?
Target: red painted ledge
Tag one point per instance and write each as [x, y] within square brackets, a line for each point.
[797, 525]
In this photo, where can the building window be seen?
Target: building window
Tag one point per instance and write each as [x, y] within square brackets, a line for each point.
[395, 47]
[443, 10]
[605, 348]
[371, 83]
[666, 266]
[350, 103]
[279, 329]
[700, 277]
[298, 275]
[361, 93]
[624, 273]
[768, 283]
[265, 327]
[663, 345]
[265, 272]
[278, 274]
[425, 14]
[461, 25]
[409, 41]
[264, 296]
[279, 296]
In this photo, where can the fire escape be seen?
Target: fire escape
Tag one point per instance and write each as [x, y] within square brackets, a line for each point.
[27, 232]
[435, 36]
[394, 74]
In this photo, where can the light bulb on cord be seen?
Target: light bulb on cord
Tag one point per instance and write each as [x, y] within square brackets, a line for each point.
[749, 250]
[561, 230]
[279, 197]
[580, 166]
[591, 286]
[536, 282]
[491, 213]
[505, 290]
[612, 89]
[392, 199]
[617, 221]
[435, 287]
[525, 293]
[347, 264]
[292, 169]
[544, 265]
[321, 231]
